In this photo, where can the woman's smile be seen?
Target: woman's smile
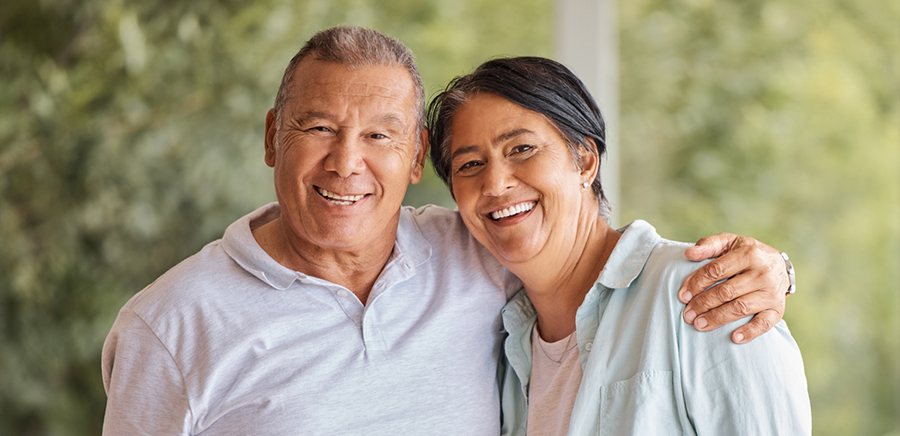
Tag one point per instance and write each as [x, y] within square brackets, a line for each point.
[514, 179]
[516, 210]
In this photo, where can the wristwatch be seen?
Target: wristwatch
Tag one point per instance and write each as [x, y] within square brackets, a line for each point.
[790, 270]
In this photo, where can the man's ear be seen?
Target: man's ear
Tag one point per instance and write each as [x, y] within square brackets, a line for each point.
[415, 176]
[271, 132]
[590, 161]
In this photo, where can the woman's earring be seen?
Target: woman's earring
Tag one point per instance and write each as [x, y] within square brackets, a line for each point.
[584, 185]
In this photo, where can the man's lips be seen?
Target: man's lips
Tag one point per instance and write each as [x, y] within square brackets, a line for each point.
[513, 210]
[342, 200]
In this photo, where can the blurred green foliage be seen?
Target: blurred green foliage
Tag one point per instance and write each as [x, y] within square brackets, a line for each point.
[131, 135]
[781, 120]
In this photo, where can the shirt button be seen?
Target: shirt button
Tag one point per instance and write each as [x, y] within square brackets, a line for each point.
[588, 345]
[342, 293]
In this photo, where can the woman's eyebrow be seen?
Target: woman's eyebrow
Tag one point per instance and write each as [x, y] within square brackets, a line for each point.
[464, 150]
[510, 135]
[499, 138]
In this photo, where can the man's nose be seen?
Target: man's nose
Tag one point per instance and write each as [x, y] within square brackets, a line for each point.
[498, 178]
[346, 156]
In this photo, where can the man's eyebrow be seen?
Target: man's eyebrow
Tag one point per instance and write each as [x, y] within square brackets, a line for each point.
[313, 115]
[394, 120]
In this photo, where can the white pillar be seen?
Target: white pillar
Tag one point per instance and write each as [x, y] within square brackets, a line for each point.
[587, 42]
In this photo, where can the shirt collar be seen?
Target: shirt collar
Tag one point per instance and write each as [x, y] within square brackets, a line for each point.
[242, 247]
[629, 255]
[410, 248]
[411, 242]
[623, 266]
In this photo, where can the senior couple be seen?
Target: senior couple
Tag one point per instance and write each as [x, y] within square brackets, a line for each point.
[337, 311]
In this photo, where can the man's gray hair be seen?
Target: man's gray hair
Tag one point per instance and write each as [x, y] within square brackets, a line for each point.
[354, 46]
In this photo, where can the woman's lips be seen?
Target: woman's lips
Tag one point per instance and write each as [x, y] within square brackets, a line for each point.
[513, 210]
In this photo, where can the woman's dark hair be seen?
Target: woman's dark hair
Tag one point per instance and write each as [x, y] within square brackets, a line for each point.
[537, 84]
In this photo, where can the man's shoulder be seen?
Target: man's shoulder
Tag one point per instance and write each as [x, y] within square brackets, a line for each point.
[438, 225]
[190, 282]
[453, 249]
[432, 216]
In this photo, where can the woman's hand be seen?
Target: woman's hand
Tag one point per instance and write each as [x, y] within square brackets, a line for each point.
[757, 284]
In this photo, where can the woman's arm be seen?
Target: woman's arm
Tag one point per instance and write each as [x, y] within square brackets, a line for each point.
[757, 388]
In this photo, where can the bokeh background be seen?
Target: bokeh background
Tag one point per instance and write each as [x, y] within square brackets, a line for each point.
[131, 134]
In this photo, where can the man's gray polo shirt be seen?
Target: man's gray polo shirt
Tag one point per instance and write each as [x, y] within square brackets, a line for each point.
[229, 342]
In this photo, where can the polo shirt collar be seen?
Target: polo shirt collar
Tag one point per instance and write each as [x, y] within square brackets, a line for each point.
[411, 248]
[241, 246]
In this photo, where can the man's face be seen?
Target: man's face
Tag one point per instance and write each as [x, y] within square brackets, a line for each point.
[344, 153]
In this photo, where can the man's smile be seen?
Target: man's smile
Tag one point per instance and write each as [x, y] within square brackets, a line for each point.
[340, 200]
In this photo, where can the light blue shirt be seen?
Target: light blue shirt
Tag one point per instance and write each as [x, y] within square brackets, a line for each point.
[646, 371]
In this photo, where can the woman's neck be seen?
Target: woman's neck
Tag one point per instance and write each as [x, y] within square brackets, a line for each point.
[557, 281]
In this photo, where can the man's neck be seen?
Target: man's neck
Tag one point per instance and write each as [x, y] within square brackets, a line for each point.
[356, 270]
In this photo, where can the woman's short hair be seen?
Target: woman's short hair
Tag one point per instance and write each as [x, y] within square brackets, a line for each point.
[537, 84]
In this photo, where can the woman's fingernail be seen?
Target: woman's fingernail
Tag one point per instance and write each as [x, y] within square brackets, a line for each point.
[700, 323]
[686, 296]
[739, 337]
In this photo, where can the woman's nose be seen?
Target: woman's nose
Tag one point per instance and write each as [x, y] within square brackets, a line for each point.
[498, 178]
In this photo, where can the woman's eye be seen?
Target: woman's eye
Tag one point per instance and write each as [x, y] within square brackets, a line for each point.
[468, 165]
[377, 136]
[521, 149]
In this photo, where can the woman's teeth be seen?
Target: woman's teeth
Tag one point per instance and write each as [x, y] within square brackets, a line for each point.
[339, 199]
[513, 210]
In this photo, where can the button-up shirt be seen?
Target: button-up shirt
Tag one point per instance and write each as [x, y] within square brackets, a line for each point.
[646, 371]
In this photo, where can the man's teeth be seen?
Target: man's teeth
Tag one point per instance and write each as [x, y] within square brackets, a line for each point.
[513, 210]
[339, 199]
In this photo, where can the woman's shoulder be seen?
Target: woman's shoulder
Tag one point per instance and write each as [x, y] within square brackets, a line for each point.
[644, 259]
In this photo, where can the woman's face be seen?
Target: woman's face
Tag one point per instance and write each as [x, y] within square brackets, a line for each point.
[516, 184]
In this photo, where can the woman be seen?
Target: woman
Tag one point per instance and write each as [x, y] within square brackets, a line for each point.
[596, 343]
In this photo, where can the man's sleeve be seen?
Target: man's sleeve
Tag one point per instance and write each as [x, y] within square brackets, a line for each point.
[757, 388]
[144, 387]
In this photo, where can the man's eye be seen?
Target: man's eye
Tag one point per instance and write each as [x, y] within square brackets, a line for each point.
[377, 136]
[320, 129]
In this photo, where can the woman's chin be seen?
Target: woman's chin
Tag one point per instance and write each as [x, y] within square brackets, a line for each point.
[514, 252]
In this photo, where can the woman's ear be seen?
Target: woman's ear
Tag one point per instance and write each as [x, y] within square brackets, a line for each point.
[590, 161]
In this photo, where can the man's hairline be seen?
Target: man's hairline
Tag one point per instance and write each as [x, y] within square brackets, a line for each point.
[289, 87]
[419, 124]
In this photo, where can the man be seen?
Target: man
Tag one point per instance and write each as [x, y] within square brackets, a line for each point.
[335, 311]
